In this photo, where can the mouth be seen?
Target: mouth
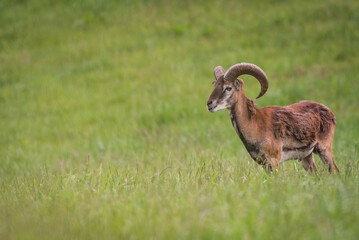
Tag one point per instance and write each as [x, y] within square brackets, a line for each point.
[211, 109]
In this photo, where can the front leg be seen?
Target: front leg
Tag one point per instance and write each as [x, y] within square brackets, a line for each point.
[267, 163]
[268, 168]
[271, 165]
[270, 159]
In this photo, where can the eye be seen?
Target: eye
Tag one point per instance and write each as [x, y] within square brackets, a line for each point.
[228, 89]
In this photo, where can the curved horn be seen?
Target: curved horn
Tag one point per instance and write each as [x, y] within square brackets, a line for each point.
[218, 72]
[250, 69]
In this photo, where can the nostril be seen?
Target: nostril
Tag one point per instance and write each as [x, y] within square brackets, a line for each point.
[209, 102]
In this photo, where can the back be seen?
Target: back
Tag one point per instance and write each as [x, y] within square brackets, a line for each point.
[303, 121]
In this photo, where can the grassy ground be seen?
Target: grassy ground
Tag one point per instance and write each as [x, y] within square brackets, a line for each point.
[104, 131]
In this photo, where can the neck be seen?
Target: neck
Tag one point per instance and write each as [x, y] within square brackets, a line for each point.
[242, 114]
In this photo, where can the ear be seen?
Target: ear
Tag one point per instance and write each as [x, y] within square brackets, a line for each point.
[237, 84]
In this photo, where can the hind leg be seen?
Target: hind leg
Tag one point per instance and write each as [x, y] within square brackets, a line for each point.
[327, 157]
[309, 164]
[324, 147]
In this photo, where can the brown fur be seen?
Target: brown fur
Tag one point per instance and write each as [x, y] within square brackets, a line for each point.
[269, 132]
[251, 108]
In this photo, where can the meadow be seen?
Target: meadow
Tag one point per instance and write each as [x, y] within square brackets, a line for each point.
[104, 132]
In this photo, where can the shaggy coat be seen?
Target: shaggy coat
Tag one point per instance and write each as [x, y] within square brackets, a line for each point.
[275, 134]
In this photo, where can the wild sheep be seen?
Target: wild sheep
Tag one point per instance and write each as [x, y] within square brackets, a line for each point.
[274, 134]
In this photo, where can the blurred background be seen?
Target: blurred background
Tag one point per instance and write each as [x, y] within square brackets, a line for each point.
[125, 83]
[124, 77]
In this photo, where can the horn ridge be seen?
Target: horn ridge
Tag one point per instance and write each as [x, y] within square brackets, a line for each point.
[218, 72]
[250, 69]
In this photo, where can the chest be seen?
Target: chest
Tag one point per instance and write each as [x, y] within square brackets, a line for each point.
[251, 146]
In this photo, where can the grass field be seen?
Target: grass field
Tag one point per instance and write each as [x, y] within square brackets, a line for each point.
[104, 132]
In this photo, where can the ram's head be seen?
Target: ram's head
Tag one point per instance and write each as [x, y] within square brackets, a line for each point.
[228, 87]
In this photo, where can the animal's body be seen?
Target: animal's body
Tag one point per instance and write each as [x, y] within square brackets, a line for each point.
[274, 134]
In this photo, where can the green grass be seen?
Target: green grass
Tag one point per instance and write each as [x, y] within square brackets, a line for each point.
[104, 131]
